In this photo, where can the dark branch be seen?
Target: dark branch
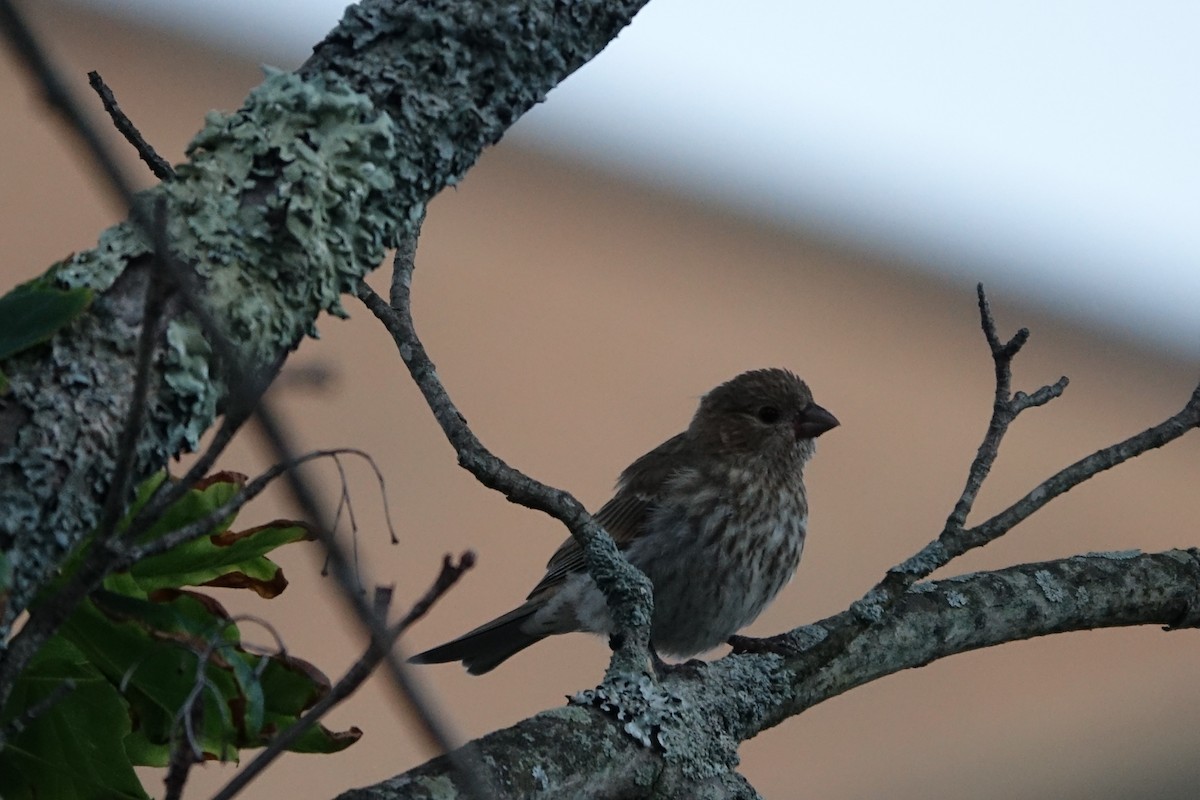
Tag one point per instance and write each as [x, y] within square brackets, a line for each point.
[20, 722]
[157, 164]
[953, 541]
[152, 313]
[184, 752]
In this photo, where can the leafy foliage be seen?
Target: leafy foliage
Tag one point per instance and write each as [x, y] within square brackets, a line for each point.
[32, 312]
[153, 665]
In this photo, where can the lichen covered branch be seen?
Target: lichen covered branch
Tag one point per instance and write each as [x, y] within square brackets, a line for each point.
[282, 207]
[577, 752]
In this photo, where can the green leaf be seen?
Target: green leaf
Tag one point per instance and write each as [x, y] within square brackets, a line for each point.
[32, 312]
[160, 650]
[74, 749]
[228, 559]
[292, 686]
[203, 499]
[153, 652]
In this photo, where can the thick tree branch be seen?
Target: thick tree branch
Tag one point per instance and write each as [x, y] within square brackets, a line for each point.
[281, 208]
[942, 618]
[743, 694]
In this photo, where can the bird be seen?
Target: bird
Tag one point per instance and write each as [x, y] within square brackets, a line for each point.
[715, 516]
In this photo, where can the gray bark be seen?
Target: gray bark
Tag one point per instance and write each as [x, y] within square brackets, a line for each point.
[685, 745]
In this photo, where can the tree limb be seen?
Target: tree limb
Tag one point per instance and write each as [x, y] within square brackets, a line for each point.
[576, 752]
[282, 207]
[628, 591]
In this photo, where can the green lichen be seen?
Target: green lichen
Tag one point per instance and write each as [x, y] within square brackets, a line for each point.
[305, 169]
[186, 371]
[99, 267]
[285, 205]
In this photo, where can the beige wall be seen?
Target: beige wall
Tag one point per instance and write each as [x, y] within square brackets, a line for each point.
[576, 319]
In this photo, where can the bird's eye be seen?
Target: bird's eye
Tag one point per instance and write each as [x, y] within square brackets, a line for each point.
[768, 415]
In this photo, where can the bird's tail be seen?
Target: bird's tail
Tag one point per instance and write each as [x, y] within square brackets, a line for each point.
[482, 649]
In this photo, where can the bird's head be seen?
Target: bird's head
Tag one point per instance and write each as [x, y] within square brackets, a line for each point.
[766, 412]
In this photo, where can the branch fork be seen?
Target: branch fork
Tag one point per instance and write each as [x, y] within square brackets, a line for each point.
[630, 596]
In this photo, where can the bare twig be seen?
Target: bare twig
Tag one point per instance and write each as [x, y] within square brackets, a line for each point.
[156, 296]
[184, 750]
[354, 677]
[627, 589]
[1068, 478]
[157, 164]
[435, 729]
[953, 541]
[836, 634]
[1005, 409]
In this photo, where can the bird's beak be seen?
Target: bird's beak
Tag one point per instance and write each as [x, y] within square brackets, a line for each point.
[814, 421]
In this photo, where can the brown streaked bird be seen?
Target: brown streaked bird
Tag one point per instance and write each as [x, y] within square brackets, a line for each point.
[714, 516]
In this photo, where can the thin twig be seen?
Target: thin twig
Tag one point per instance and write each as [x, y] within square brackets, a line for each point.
[344, 504]
[627, 589]
[1068, 478]
[157, 164]
[186, 750]
[436, 730]
[354, 677]
[184, 753]
[1006, 407]
[155, 302]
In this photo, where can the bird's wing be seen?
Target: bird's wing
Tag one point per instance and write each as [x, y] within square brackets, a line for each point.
[625, 515]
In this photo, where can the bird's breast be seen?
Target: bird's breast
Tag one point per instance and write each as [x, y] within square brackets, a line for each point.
[716, 558]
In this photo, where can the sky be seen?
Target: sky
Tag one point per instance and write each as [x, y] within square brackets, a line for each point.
[1046, 148]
